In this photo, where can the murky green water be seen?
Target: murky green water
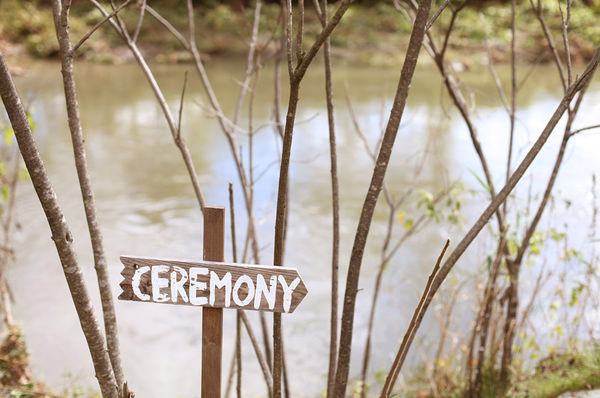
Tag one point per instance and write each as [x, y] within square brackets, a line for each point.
[147, 207]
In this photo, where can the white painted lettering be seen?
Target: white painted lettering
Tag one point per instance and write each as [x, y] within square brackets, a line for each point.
[262, 290]
[244, 279]
[135, 283]
[195, 285]
[177, 285]
[287, 291]
[158, 283]
[218, 283]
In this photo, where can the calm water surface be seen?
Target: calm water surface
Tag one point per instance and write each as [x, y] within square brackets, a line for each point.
[147, 207]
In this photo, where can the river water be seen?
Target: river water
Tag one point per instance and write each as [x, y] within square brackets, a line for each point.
[147, 208]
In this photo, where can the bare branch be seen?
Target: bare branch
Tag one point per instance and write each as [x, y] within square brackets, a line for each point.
[581, 130]
[182, 40]
[539, 12]
[427, 295]
[180, 115]
[437, 14]
[173, 128]
[565, 35]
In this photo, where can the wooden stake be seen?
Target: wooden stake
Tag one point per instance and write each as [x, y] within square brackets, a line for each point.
[212, 318]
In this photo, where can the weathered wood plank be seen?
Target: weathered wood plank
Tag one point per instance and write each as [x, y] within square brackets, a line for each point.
[258, 280]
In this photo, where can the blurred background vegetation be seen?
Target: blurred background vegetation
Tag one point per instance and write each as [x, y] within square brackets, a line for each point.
[372, 32]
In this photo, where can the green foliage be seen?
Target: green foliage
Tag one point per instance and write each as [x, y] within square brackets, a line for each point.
[31, 25]
[561, 373]
[222, 18]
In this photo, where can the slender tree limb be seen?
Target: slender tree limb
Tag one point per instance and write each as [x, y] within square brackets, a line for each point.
[238, 319]
[335, 205]
[437, 14]
[513, 89]
[427, 295]
[325, 33]
[249, 62]
[300, 32]
[173, 30]
[581, 130]
[538, 9]
[181, 101]
[262, 361]
[566, 20]
[61, 17]
[138, 27]
[484, 319]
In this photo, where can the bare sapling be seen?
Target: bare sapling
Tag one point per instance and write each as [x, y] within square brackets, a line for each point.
[61, 234]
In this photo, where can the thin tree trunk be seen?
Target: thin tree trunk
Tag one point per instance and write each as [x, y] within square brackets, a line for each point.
[362, 231]
[61, 235]
[280, 228]
[61, 18]
[335, 203]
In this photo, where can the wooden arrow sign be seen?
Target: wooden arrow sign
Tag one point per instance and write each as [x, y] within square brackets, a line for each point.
[212, 284]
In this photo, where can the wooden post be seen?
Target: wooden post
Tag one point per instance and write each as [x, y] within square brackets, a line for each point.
[212, 318]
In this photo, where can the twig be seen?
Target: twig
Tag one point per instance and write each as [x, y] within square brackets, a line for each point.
[581, 130]
[437, 14]
[180, 114]
[98, 25]
[140, 21]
